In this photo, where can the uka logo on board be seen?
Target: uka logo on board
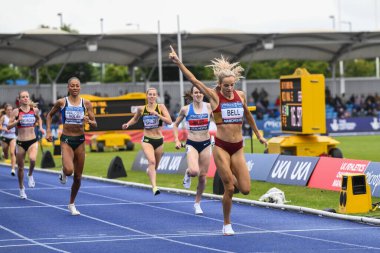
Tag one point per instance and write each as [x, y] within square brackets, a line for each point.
[299, 172]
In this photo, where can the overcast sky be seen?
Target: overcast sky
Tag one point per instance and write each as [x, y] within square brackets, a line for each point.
[254, 16]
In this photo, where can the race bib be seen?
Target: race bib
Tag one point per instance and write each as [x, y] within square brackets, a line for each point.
[232, 112]
[198, 122]
[74, 115]
[151, 121]
[28, 120]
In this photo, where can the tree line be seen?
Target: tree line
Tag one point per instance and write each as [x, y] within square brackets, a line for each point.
[92, 72]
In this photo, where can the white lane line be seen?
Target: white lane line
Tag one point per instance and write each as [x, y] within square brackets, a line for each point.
[331, 241]
[34, 243]
[142, 237]
[238, 224]
[157, 207]
[50, 186]
[243, 225]
[105, 204]
[182, 234]
[125, 227]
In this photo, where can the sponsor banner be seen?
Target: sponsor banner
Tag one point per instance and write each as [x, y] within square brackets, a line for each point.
[271, 127]
[259, 165]
[373, 178]
[171, 163]
[292, 170]
[351, 125]
[328, 172]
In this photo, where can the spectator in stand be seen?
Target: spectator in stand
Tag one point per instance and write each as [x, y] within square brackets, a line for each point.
[260, 110]
[377, 99]
[255, 95]
[167, 99]
[263, 94]
[344, 99]
[265, 102]
[251, 102]
[277, 102]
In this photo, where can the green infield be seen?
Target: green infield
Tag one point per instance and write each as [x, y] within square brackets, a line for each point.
[353, 147]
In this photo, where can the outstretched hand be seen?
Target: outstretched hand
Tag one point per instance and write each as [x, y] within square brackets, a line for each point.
[173, 56]
[49, 136]
[178, 144]
[263, 141]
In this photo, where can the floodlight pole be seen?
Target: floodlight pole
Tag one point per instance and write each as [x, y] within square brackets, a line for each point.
[181, 89]
[339, 15]
[102, 71]
[377, 62]
[333, 21]
[60, 19]
[342, 79]
[333, 71]
[160, 83]
[101, 25]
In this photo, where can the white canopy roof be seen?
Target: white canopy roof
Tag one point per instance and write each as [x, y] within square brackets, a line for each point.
[44, 47]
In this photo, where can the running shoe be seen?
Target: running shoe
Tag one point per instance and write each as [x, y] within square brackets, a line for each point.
[156, 191]
[186, 181]
[227, 230]
[62, 177]
[73, 209]
[23, 194]
[13, 172]
[197, 208]
[31, 182]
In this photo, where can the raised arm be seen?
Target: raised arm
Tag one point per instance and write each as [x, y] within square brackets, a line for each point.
[251, 120]
[210, 93]
[181, 116]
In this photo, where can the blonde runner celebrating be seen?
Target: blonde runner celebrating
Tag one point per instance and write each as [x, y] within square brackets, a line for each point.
[229, 108]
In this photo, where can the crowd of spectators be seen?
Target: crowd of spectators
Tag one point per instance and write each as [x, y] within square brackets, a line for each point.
[336, 107]
[264, 108]
[354, 106]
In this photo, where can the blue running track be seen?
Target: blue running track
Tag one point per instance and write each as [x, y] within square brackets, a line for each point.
[119, 218]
